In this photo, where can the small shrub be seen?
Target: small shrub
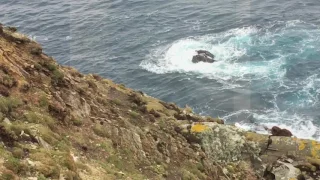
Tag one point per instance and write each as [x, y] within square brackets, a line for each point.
[15, 129]
[49, 136]
[77, 122]
[12, 29]
[100, 131]
[188, 109]
[57, 76]
[15, 165]
[50, 66]
[7, 175]
[57, 110]
[81, 91]
[8, 81]
[1, 116]
[25, 88]
[4, 91]
[121, 164]
[17, 153]
[155, 113]
[63, 145]
[50, 171]
[107, 146]
[134, 115]
[70, 175]
[37, 66]
[69, 163]
[122, 86]
[8, 104]
[116, 102]
[97, 77]
[43, 101]
[83, 167]
[136, 98]
[92, 84]
[35, 117]
[102, 101]
[41, 177]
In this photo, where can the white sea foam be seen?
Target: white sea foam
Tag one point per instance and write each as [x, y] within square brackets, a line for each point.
[227, 47]
[300, 126]
[233, 50]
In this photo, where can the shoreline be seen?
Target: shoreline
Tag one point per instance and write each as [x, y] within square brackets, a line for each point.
[66, 124]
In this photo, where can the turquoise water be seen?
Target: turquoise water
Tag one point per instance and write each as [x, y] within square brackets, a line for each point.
[268, 52]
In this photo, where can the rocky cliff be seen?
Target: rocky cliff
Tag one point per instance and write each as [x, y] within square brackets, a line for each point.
[56, 123]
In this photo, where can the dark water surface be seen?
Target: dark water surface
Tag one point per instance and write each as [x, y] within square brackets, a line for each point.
[268, 71]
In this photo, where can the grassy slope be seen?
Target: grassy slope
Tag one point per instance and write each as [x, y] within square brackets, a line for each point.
[56, 122]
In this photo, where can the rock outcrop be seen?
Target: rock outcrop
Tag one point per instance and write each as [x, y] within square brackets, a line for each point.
[276, 131]
[203, 56]
[57, 123]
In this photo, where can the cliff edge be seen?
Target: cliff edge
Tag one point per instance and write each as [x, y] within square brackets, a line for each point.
[56, 123]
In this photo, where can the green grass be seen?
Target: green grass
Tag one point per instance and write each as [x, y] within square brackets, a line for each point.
[116, 102]
[134, 115]
[43, 101]
[17, 153]
[57, 76]
[38, 118]
[8, 81]
[49, 136]
[122, 86]
[92, 84]
[41, 177]
[15, 165]
[7, 104]
[76, 122]
[107, 146]
[100, 131]
[7, 176]
[50, 66]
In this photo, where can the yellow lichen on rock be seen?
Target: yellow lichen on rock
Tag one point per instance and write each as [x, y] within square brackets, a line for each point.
[315, 149]
[199, 128]
[251, 136]
[302, 145]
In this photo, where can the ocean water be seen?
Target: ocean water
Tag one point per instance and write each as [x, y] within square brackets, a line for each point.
[268, 52]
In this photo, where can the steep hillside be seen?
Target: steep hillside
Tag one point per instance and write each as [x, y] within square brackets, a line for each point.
[57, 123]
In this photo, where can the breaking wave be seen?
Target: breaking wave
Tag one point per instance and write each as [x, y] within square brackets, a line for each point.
[279, 59]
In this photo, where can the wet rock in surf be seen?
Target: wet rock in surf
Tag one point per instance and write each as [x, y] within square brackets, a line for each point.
[1, 29]
[203, 56]
[276, 131]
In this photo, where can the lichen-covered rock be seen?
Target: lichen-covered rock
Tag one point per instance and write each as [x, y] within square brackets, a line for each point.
[283, 171]
[224, 143]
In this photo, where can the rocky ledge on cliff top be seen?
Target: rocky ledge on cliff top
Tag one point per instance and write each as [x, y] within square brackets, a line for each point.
[56, 123]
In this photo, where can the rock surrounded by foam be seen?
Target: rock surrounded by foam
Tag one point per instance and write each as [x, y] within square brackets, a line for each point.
[203, 56]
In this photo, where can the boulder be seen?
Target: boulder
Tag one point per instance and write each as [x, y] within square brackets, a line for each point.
[203, 56]
[284, 171]
[276, 131]
[207, 53]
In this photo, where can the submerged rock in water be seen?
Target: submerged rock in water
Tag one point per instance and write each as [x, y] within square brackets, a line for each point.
[203, 56]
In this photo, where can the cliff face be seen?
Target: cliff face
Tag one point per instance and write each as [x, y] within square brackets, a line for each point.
[57, 123]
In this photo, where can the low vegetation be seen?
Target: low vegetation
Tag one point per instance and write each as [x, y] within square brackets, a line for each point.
[57, 123]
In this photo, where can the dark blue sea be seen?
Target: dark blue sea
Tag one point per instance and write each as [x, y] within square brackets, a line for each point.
[268, 52]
